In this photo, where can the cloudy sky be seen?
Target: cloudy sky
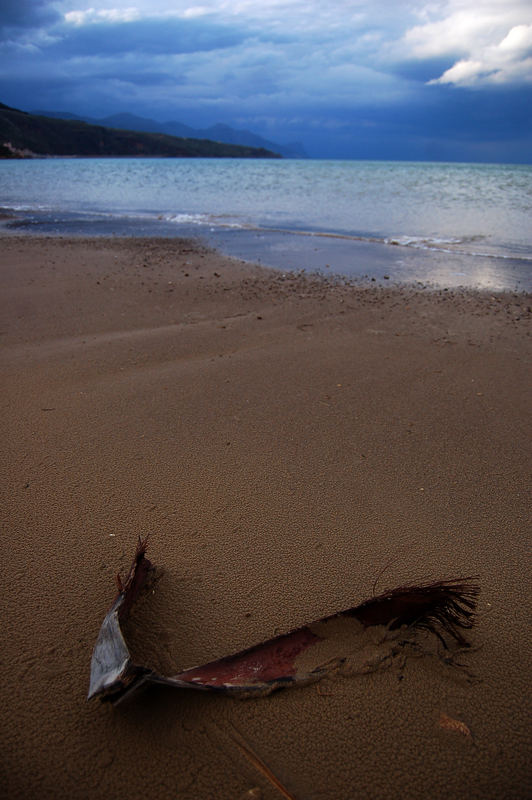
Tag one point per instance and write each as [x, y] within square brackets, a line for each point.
[414, 79]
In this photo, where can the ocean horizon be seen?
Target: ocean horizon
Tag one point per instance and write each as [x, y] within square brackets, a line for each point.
[438, 224]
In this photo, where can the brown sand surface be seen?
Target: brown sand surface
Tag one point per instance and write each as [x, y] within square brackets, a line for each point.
[282, 439]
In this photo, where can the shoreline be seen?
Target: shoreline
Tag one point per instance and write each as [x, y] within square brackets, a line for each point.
[357, 258]
[315, 266]
[292, 444]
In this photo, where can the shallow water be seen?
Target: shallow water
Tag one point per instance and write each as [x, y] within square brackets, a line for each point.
[445, 224]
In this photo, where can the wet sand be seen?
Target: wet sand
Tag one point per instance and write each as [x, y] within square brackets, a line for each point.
[287, 442]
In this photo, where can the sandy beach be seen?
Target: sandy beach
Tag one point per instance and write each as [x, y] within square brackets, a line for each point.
[292, 445]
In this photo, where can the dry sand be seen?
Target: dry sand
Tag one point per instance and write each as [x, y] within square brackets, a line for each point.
[282, 439]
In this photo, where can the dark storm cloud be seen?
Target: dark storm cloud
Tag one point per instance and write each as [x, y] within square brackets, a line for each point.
[147, 37]
[422, 71]
[348, 78]
[140, 77]
[446, 124]
[20, 14]
[462, 114]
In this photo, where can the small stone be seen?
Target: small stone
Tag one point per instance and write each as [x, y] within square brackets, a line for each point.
[252, 794]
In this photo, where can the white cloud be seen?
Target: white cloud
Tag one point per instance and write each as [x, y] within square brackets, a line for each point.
[491, 41]
[464, 73]
[290, 15]
[519, 39]
[92, 15]
[508, 62]
[192, 12]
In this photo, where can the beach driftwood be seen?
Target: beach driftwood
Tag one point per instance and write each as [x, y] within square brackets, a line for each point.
[445, 608]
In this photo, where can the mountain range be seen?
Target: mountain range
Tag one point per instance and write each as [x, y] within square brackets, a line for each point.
[24, 135]
[215, 133]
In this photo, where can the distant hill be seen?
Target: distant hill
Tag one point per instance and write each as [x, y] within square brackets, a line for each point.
[216, 133]
[24, 135]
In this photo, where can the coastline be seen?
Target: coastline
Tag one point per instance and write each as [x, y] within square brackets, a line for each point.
[284, 439]
[335, 256]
